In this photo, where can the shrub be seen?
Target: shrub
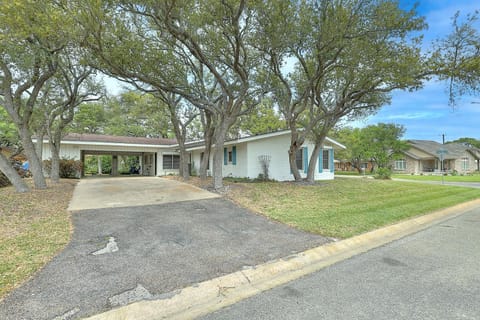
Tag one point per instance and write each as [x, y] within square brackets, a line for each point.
[383, 173]
[69, 168]
[3, 180]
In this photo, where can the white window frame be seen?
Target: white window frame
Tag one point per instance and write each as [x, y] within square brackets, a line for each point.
[465, 164]
[400, 165]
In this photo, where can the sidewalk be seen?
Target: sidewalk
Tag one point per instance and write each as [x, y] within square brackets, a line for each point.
[456, 184]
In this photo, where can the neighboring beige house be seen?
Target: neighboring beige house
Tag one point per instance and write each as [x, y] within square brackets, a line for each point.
[424, 157]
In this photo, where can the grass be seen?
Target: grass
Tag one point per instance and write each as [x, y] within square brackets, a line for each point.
[34, 227]
[458, 178]
[346, 207]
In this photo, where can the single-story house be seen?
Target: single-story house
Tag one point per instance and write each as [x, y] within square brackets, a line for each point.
[248, 156]
[244, 157]
[426, 156]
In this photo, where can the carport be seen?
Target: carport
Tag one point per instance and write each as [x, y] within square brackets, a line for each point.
[127, 155]
[146, 162]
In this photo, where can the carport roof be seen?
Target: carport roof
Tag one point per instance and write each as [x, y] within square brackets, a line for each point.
[85, 137]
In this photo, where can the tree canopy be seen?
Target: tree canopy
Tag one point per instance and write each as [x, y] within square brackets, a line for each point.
[379, 144]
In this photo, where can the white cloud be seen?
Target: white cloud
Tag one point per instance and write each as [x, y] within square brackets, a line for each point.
[414, 116]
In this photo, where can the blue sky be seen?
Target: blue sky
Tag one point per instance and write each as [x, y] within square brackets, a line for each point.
[425, 113]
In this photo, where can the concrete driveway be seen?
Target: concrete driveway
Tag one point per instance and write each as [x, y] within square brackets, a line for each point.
[122, 252]
[94, 193]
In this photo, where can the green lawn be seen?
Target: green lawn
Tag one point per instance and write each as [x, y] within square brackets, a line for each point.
[466, 178]
[346, 207]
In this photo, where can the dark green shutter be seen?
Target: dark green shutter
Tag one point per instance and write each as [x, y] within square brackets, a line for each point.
[225, 156]
[305, 159]
[234, 155]
[332, 163]
[320, 161]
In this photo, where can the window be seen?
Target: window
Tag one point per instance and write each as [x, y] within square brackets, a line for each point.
[400, 165]
[299, 158]
[465, 164]
[230, 157]
[171, 161]
[326, 159]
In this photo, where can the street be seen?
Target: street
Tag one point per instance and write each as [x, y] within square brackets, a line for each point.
[433, 274]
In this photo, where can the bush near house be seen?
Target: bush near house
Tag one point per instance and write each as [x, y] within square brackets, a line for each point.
[3, 180]
[69, 168]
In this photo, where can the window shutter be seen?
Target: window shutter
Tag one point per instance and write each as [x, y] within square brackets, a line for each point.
[320, 161]
[225, 156]
[234, 155]
[305, 159]
[332, 163]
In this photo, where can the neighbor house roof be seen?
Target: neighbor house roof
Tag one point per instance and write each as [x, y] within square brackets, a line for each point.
[454, 150]
[117, 139]
[200, 144]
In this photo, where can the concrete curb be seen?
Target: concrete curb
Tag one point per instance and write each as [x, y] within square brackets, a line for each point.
[214, 294]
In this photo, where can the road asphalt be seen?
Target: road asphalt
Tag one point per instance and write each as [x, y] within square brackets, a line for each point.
[433, 274]
[119, 255]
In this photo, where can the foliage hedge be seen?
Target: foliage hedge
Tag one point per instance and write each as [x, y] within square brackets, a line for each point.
[4, 180]
[69, 168]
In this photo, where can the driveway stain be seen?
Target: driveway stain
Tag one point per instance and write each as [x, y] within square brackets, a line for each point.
[393, 262]
[111, 247]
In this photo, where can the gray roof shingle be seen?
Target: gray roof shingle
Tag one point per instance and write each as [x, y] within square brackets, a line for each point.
[86, 137]
[454, 150]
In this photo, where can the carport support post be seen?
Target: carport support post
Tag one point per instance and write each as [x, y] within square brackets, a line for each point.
[114, 165]
[99, 165]
[82, 159]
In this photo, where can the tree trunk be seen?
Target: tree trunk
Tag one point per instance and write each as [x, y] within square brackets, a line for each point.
[12, 175]
[180, 130]
[312, 164]
[55, 141]
[55, 163]
[35, 164]
[295, 144]
[39, 144]
[184, 155]
[293, 162]
[219, 135]
[208, 131]
[206, 158]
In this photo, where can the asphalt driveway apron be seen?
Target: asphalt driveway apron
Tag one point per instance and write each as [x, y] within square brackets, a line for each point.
[147, 238]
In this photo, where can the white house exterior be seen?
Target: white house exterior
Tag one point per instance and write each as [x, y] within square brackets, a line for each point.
[243, 157]
[157, 156]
